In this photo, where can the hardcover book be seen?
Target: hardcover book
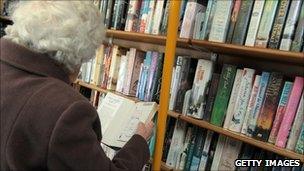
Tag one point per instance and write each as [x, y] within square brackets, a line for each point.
[269, 106]
[266, 23]
[280, 112]
[126, 114]
[279, 22]
[223, 94]
[290, 112]
[233, 97]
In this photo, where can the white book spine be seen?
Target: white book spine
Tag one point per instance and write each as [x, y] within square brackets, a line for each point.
[204, 158]
[122, 73]
[230, 154]
[254, 22]
[127, 82]
[297, 125]
[250, 106]
[218, 152]
[150, 17]
[175, 82]
[233, 97]
[290, 24]
[188, 21]
[186, 102]
[157, 17]
[199, 21]
[181, 160]
[88, 72]
[242, 100]
[220, 21]
[94, 65]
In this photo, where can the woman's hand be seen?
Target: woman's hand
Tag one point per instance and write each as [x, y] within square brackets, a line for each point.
[145, 130]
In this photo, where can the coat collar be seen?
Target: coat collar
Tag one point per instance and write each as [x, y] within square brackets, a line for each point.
[28, 60]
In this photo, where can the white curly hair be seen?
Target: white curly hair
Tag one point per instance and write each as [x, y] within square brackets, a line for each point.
[68, 31]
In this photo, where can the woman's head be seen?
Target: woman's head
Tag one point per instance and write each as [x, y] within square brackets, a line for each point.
[68, 31]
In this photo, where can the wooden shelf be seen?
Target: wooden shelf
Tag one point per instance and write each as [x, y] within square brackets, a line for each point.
[96, 88]
[239, 136]
[5, 18]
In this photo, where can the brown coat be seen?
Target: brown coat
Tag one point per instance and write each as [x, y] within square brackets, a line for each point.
[47, 125]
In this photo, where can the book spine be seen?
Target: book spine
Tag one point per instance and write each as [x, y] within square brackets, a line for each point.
[296, 126]
[108, 17]
[94, 65]
[114, 69]
[106, 66]
[291, 21]
[198, 149]
[278, 25]
[146, 69]
[148, 95]
[218, 152]
[205, 153]
[190, 149]
[127, 82]
[300, 143]
[157, 17]
[233, 97]
[254, 22]
[150, 17]
[122, 73]
[144, 10]
[181, 161]
[291, 108]
[242, 100]
[157, 79]
[280, 112]
[203, 75]
[139, 85]
[269, 106]
[223, 94]
[206, 20]
[175, 82]
[250, 106]
[207, 29]
[297, 43]
[257, 104]
[219, 27]
[211, 96]
[242, 22]
[266, 23]
[165, 17]
[188, 21]
[233, 19]
[139, 58]
[99, 68]
[230, 154]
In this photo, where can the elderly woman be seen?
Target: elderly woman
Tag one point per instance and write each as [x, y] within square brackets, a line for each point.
[46, 124]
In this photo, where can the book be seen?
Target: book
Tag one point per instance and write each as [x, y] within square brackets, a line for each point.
[242, 100]
[220, 23]
[223, 94]
[122, 72]
[114, 67]
[249, 110]
[230, 154]
[300, 143]
[291, 21]
[233, 19]
[118, 18]
[151, 73]
[182, 159]
[198, 148]
[170, 125]
[218, 152]
[132, 15]
[198, 98]
[296, 126]
[176, 81]
[188, 21]
[241, 26]
[126, 114]
[155, 89]
[150, 17]
[254, 22]
[297, 43]
[212, 88]
[145, 72]
[198, 23]
[278, 25]
[266, 23]
[98, 65]
[205, 153]
[106, 66]
[207, 27]
[165, 18]
[269, 106]
[252, 119]
[108, 16]
[186, 103]
[158, 13]
[143, 19]
[289, 114]
[233, 97]
[246, 154]
[280, 111]
[208, 19]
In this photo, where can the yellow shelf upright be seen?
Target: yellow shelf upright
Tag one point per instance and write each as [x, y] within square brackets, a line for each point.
[166, 81]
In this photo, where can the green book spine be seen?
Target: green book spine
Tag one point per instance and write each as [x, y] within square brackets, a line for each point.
[279, 21]
[241, 26]
[223, 94]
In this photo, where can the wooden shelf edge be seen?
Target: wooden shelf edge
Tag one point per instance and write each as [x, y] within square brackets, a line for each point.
[264, 145]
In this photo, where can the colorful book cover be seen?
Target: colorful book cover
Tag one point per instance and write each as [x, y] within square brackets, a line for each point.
[300, 143]
[132, 15]
[297, 43]
[198, 98]
[249, 110]
[242, 22]
[289, 29]
[223, 94]
[233, 97]
[152, 71]
[266, 23]
[279, 22]
[269, 106]
[242, 100]
[254, 22]
[212, 88]
[220, 23]
[258, 103]
[159, 10]
[144, 10]
[290, 112]
[208, 19]
[280, 112]
[296, 126]
[198, 149]
[230, 154]
[233, 19]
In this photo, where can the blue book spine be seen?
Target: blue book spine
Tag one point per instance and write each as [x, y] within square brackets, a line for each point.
[146, 66]
[258, 103]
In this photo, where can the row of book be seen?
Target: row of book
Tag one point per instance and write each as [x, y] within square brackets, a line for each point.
[188, 147]
[129, 71]
[260, 23]
[262, 105]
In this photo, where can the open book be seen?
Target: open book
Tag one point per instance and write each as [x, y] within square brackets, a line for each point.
[119, 118]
